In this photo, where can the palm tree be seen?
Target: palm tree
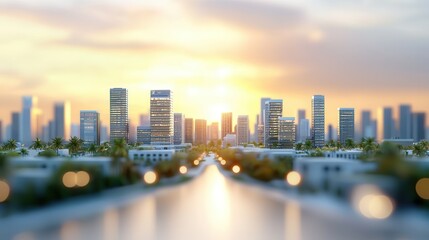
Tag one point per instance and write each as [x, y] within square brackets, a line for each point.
[37, 144]
[57, 143]
[23, 152]
[349, 144]
[10, 145]
[308, 145]
[74, 145]
[298, 146]
[119, 153]
[419, 150]
[368, 145]
[338, 145]
[331, 144]
[92, 148]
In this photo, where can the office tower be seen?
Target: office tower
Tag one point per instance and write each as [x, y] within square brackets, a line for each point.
[365, 124]
[214, 132]
[161, 117]
[262, 111]
[179, 128]
[331, 132]
[62, 120]
[242, 129]
[318, 120]
[75, 130]
[301, 115]
[143, 135]
[144, 119]
[119, 114]
[405, 122]
[419, 126]
[15, 126]
[51, 127]
[286, 132]
[273, 111]
[346, 124]
[254, 137]
[45, 133]
[104, 133]
[189, 130]
[385, 124]
[1, 132]
[90, 127]
[304, 130]
[30, 120]
[260, 134]
[132, 131]
[226, 124]
[200, 131]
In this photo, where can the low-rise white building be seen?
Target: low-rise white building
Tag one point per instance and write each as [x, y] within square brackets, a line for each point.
[345, 154]
[151, 156]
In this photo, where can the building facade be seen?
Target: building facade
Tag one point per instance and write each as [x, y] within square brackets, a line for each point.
[143, 135]
[346, 124]
[214, 132]
[179, 128]
[318, 120]
[90, 127]
[386, 124]
[405, 131]
[189, 130]
[62, 120]
[119, 128]
[419, 126]
[15, 124]
[273, 111]
[226, 124]
[304, 130]
[161, 117]
[200, 131]
[242, 129]
[287, 134]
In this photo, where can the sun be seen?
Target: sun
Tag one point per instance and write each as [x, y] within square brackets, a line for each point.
[215, 112]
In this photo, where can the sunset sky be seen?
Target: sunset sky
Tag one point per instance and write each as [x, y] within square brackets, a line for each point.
[216, 55]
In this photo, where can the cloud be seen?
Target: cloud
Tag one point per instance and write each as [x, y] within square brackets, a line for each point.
[20, 81]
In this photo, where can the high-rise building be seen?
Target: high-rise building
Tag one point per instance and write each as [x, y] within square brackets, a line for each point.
[179, 128]
[189, 130]
[226, 124]
[161, 117]
[51, 127]
[119, 128]
[242, 129]
[132, 131]
[262, 110]
[62, 120]
[30, 120]
[214, 132]
[419, 126]
[1, 132]
[365, 123]
[104, 133]
[385, 124]
[75, 130]
[301, 115]
[405, 131]
[304, 130]
[331, 133]
[318, 120]
[15, 126]
[346, 124]
[260, 134]
[273, 111]
[144, 119]
[200, 131]
[143, 135]
[286, 132]
[90, 127]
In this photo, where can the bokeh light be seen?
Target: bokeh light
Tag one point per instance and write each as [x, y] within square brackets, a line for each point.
[69, 179]
[82, 178]
[196, 162]
[236, 169]
[372, 203]
[183, 170]
[150, 177]
[422, 188]
[223, 162]
[293, 178]
[4, 191]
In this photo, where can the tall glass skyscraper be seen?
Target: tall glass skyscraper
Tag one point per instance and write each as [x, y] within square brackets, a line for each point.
[226, 124]
[273, 111]
[405, 131]
[200, 131]
[118, 114]
[346, 124]
[90, 127]
[179, 128]
[161, 117]
[62, 121]
[242, 129]
[318, 120]
[189, 130]
[386, 124]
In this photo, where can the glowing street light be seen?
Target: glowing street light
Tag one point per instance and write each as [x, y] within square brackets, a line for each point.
[371, 203]
[236, 169]
[183, 169]
[223, 162]
[150, 177]
[293, 178]
[196, 162]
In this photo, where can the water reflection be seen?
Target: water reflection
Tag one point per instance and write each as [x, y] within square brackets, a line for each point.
[214, 207]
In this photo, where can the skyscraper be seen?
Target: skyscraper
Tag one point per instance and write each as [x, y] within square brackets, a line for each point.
[242, 129]
[365, 124]
[405, 122]
[386, 125]
[119, 114]
[200, 131]
[273, 111]
[304, 130]
[62, 120]
[286, 132]
[214, 132]
[143, 135]
[189, 130]
[30, 120]
[262, 110]
[15, 126]
[346, 124]
[419, 126]
[226, 124]
[161, 117]
[90, 127]
[144, 119]
[331, 132]
[318, 120]
[1, 131]
[179, 128]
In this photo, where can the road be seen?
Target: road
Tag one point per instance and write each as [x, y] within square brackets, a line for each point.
[211, 207]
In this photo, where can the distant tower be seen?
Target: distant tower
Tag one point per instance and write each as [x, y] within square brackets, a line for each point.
[15, 126]
[386, 124]
[118, 114]
[405, 122]
[62, 120]
[287, 132]
[226, 124]
[273, 111]
[90, 127]
[200, 131]
[179, 128]
[189, 130]
[346, 124]
[318, 120]
[161, 117]
[242, 129]
[30, 120]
